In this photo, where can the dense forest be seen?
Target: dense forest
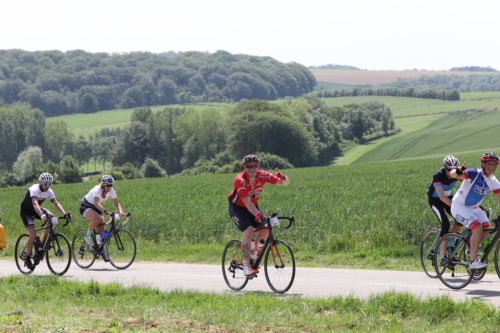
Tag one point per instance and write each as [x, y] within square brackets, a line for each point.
[470, 83]
[187, 141]
[77, 81]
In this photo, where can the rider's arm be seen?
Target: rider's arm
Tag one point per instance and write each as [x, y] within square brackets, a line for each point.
[282, 179]
[497, 195]
[59, 207]
[36, 207]
[117, 205]
[97, 203]
[249, 205]
[453, 174]
[443, 197]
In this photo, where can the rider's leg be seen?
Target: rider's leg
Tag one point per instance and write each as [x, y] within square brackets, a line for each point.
[246, 245]
[475, 240]
[95, 219]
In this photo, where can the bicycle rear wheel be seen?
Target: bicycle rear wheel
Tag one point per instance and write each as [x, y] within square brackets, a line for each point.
[19, 254]
[232, 265]
[456, 273]
[427, 252]
[83, 254]
[58, 254]
[279, 266]
[121, 249]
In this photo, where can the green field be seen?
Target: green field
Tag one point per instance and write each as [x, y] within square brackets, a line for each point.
[88, 124]
[320, 85]
[455, 135]
[185, 218]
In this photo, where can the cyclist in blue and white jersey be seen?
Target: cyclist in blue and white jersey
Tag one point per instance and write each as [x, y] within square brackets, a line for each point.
[440, 196]
[31, 210]
[476, 184]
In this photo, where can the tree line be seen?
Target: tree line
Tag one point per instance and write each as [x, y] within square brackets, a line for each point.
[470, 83]
[451, 95]
[187, 141]
[77, 81]
[473, 69]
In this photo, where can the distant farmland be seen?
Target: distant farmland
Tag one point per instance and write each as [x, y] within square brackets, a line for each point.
[372, 77]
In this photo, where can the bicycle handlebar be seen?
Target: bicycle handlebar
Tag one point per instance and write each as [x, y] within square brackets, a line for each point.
[67, 218]
[112, 217]
[290, 219]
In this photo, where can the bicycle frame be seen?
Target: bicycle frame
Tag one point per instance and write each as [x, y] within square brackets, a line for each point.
[270, 239]
[40, 253]
[98, 248]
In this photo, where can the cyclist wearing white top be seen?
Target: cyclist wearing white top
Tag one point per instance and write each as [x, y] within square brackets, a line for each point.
[476, 184]
[91, 207]
[31, 209]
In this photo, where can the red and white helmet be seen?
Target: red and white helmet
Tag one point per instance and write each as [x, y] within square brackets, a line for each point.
[489, 157]
[250, 159]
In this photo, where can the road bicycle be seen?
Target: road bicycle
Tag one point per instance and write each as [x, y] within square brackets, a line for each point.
[119, 245]
[453, 269]
[56, 249]
[279, 261]
[428, 249]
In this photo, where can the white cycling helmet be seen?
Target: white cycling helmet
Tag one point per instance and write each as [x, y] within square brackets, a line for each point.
[107, 180]
[46, 178]
[451, 162]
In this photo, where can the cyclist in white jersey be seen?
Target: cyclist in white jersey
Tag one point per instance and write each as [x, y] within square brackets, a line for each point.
[91, 207]
[31, 209]
[476, 184]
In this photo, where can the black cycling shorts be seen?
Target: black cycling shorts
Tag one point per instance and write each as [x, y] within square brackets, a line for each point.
[242, 217]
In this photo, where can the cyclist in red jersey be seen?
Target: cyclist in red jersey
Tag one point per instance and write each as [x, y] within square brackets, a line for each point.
[243, 203]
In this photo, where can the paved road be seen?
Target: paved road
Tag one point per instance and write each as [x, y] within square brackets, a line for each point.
[309, 282]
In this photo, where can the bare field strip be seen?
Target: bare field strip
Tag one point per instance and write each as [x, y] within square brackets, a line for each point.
[372, 77]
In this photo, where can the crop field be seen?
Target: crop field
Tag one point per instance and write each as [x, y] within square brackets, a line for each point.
[320, 85]
[372, 77]
[346, 216]
[87, 124]
[453, 135]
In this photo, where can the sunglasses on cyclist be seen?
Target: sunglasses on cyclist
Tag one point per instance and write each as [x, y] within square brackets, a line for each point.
[47, 184]
[110, 185]
[253, 166]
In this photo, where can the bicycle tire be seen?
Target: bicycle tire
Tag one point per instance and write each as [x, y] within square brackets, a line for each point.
[20, 256]
[83, 254]
[58, 254]
[495, 259]
[427, 253]
[121, 248]
[279, 266]
[232, 265]
[456, 273]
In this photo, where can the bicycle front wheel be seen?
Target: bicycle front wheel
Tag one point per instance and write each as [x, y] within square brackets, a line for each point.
[121, 249]
[279, 266]
[58, 254]
[428, 251]
[83, 253]
[456, 273]
[232, 265]
[20, 256]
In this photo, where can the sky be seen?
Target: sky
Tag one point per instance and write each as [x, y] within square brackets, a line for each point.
[368, 34]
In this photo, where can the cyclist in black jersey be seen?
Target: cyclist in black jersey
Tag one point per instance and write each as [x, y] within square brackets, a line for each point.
[440, 196]
[31, 210]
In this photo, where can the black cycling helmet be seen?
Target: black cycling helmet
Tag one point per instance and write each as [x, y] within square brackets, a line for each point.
[489, 157]
[451, 162]
[250, 159]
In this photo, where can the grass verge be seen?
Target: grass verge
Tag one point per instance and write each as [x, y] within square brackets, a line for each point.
[52, 304]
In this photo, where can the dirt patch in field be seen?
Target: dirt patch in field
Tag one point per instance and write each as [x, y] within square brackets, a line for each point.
[372, 77]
